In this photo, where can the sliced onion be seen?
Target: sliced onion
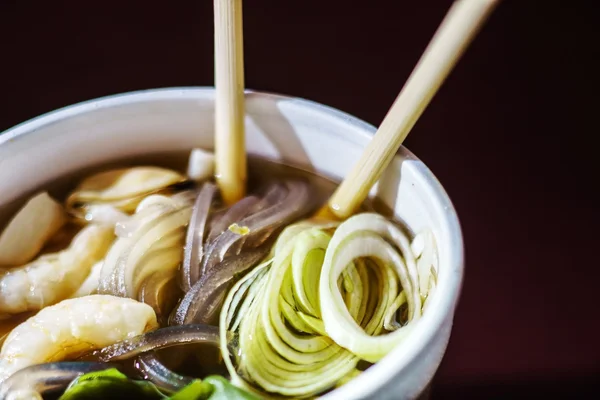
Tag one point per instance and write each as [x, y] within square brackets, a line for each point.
[185, 198]
[203, 302]
[260, 225]
[192, 254]
[235, 213]
[147, 363]
[155, 200]
[155, 371]
[158, 339]
[215, 216]
[124, 188]
[132, 256]
[144, 216]
[144, 346]
[122, 183]
[44, 378]
[161, 292]
[105, 214]
[204, 299]
[157, 260]
[274, 194]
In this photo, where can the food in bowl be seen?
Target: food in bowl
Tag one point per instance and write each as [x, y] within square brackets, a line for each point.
[134, 277]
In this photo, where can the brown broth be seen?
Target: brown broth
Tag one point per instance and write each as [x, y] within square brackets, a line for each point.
[260, 172]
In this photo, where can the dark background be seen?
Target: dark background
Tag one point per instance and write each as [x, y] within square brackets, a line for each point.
[508, 135]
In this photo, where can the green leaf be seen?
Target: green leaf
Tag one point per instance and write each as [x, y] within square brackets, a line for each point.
[112, 384]
[196, 390]
[212, 388]
[224, 390]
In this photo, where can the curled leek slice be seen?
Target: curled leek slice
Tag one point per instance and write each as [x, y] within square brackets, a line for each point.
[300, 322]
[373, 237]
[278, 349]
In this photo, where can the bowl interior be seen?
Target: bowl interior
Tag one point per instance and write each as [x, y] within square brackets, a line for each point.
[298, 132]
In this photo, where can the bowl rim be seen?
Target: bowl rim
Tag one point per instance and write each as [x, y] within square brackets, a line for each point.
[383, 372]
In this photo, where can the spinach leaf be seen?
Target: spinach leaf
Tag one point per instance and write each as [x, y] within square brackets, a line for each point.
[197, 390]
[224, 390]
[112, 384]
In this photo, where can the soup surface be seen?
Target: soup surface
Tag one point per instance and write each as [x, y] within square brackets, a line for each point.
[136, 276]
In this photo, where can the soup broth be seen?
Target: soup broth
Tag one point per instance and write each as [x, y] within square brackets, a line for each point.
[166, 248]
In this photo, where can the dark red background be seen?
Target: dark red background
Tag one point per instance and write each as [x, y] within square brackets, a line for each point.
[506, 136]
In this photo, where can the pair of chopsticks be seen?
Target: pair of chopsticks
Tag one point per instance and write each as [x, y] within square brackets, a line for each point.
[459, 27]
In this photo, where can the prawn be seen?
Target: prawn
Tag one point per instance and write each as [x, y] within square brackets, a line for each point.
[53, 277]
[90, 284]
[72, 328]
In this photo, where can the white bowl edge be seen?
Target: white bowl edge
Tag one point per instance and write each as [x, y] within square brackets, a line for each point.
[442, 307]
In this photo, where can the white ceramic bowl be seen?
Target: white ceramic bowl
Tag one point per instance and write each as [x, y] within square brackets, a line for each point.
[300, 132]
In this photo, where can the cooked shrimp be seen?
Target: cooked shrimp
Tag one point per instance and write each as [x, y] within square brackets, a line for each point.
[53, 277]
[30, 229]
[7, 325]
[73, 327]
[90, 284]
